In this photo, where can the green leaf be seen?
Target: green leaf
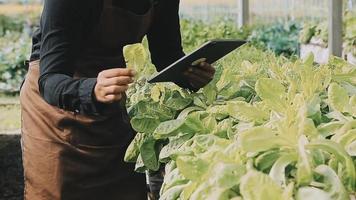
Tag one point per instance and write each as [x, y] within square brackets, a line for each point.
[273, 93]
[245, 112]
[173, 147]
[220, 111]
[313, 106]
[184, 114]
[258, 186]
[173, 193]
[318, 157]
[188, 190]
[309, 60]
[311, 193]
[210, 91]
[133, 151]
[169, 128]
[135, 57]
[277, 172]
[210, 123]
[144, 124]
[338, 97]
[194, 123]
[177, 102]
[192, 168]
[329, 129]
[304, 168]
[351, 148]
[224, 128]
[173, 179]
[260, 139]
[210, 142]
[149, 154]
[348, 76]
[206, 192]
[339, 152]
[345, 139]
[152, 109]
[335, 188]
[140, 166]
[199, 102]
[347, 126]
[264, 161]
[155, 93]
[226, 175]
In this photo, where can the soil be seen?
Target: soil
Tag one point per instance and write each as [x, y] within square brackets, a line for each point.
[11, 171]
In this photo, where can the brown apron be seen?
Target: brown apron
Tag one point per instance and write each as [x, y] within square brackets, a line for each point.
[75, 157]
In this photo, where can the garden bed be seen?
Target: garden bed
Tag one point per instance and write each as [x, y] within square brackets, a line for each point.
[11, 171]
[10, 115]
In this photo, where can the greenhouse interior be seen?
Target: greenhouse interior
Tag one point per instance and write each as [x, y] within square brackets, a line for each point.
[178, 100]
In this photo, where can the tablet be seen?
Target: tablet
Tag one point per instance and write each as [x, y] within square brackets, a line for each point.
[209, 52]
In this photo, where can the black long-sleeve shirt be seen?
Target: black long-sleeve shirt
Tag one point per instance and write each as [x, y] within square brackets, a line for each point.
[64, 24]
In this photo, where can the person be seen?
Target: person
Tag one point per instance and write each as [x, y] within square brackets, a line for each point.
[75, 127]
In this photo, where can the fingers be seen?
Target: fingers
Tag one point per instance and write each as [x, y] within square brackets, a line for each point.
[109, 94]
[112, 84]
[112, 98]
[204, 71]
[196, 81]
[206, 67]
[116, 72]
[200, 75]
[195, 77]
[112, 90]
[121, 80]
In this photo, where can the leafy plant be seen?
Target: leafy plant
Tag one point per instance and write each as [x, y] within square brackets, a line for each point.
[284, 126]
[15, 41]
[15, 49]
[281, 38]
[317, 32]
[10, 24]
[197, 32]
[18, 23]
[350, 33]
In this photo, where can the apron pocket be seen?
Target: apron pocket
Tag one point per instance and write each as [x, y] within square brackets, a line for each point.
[106, 133]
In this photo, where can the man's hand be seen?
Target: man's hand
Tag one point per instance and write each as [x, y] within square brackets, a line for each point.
[112, 83]
[200, 75]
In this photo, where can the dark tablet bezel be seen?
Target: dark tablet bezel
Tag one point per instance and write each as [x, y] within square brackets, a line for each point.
[209, 52]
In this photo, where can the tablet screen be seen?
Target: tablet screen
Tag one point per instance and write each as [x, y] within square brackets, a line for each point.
[210, 52]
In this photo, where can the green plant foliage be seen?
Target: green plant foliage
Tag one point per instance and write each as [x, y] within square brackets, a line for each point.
[350, 32]
[281, 38]
[10, 24]
[317, 32]
[15, 49]
[266, 128]
[197, 32]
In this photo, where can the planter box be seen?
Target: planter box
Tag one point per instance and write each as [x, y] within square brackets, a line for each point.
[321, 54]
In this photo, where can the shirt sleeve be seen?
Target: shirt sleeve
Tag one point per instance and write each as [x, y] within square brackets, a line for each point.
[62, 29]
[164, 37]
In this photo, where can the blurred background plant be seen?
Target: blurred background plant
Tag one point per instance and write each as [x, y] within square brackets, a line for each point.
[281, 37]
[15, 44]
